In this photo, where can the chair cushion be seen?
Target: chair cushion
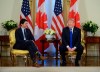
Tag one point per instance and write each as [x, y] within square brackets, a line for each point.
[16, 51]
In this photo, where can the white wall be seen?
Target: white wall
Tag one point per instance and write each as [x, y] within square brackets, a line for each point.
[89, 10]
[9, 9]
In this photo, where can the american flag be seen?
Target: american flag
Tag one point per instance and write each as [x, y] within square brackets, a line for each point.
[26, 14]
[73, 12]
[57, 19]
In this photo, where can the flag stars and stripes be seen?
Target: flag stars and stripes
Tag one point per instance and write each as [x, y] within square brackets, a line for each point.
[58, 7]
[57, 20]
[25, 8]
[25, 13]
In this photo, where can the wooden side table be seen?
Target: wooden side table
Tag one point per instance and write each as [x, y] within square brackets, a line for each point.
[93, 40]
[56, 42]
[3, 39]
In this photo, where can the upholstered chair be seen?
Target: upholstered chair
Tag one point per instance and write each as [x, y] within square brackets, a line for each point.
[70, 56]
[15, 52]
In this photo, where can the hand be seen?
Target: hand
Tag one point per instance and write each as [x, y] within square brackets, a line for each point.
[72, 49]
[69, 49]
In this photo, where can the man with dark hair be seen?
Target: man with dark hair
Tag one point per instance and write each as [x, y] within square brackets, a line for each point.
[25, 41]
[71, 41]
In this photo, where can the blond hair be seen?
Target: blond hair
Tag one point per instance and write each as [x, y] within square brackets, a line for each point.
[70, 19]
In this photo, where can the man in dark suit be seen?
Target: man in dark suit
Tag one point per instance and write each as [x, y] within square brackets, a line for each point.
[71, 41]
[25, 41]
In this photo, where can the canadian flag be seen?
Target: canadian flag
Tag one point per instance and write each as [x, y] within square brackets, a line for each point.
[40, 25]
[73, 12]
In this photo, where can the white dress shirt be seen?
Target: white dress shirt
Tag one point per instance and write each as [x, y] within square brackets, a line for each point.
[23, 33]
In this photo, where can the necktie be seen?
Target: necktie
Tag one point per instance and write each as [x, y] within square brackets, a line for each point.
[71, 38]
[24, 34]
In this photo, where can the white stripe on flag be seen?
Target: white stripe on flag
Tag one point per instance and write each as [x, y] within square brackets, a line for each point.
[29, 16]
[61, 17]
[22, 15]
[53, 24]
[58, 24]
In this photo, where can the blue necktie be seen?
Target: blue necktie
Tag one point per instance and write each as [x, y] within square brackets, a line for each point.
[71, 38]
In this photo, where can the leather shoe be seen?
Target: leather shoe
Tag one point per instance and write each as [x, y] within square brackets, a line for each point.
[36, 65]
[43, 58]
[63, 64]
[77, 64]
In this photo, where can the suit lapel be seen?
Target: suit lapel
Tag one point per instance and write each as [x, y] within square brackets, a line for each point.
[21, 33]
[68, 33]
[26, 33]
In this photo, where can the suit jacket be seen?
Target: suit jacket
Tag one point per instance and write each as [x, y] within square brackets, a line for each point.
[76, 37]
[20, 42]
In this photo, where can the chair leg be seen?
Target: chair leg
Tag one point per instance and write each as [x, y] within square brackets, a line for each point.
[26, 61]
[85, 60]
[13, 58]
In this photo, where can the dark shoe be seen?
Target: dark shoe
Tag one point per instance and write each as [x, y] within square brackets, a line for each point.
[36, 65]
[77, 63]
[43, 58]
[63, 64]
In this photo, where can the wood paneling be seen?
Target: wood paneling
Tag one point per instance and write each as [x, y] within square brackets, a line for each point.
[66, 5]
[33, 10]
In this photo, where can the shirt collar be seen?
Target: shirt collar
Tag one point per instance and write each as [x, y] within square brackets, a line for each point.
[22, 28]
[72, 29]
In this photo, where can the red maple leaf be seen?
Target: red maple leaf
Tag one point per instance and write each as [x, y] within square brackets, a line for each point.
[41, 20]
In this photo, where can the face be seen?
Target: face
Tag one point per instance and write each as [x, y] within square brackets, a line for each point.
[24, 25]
[71, 23]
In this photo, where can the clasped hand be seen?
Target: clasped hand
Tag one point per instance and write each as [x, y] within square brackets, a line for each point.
[71, 49]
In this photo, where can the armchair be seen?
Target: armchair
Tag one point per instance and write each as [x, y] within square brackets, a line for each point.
[72, 55]
[16, 52]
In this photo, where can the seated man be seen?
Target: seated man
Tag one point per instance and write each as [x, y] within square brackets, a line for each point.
[25, 41]
[71, 41]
